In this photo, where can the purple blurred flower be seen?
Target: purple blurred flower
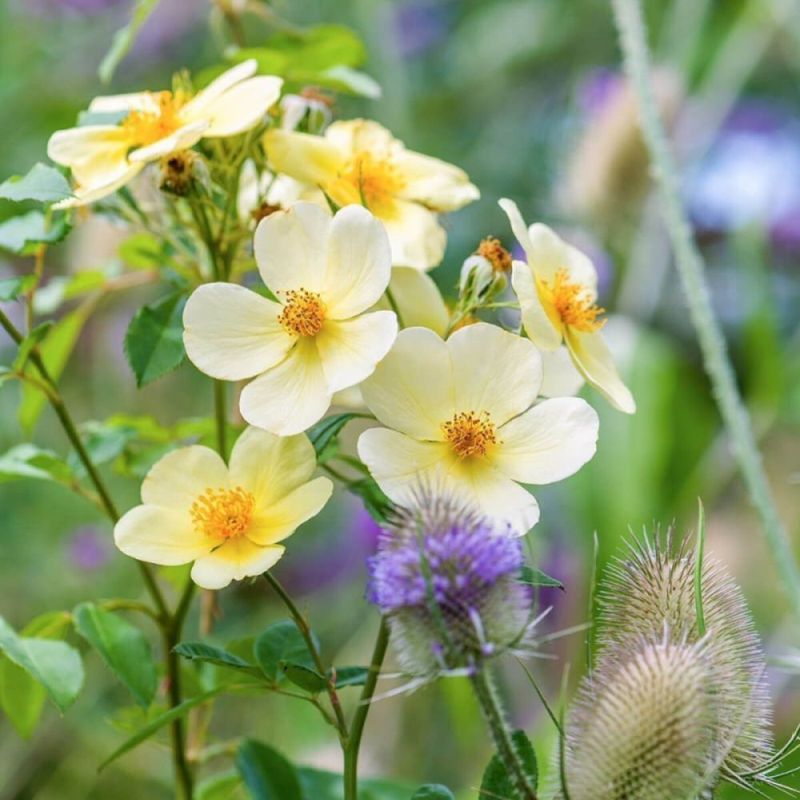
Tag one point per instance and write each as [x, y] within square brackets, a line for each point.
[418, 25]
[597, 89]
[78, 6]
[88, 549]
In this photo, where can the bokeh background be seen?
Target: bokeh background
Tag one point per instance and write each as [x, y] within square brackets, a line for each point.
[527, 96]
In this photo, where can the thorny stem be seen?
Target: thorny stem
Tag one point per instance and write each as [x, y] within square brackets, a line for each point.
[501, 735]
[305, 631]
[690, 267]
[360, 716]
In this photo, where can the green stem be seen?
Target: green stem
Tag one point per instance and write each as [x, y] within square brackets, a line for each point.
[501, 735]
[690, 267]
[360, 716]
[305, 631]
[220, 415]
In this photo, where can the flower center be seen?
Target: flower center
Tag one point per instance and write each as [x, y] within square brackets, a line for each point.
[303, 313]
[494, 252]
[223, 513]
[470, 433]
[146, 127]
[371, 180]
[571, 303]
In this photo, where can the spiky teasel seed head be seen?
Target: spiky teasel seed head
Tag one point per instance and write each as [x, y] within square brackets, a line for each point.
[447, 580]
[644, 725]
[653, 587]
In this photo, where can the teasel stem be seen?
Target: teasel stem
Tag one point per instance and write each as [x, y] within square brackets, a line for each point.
[360, 716]
[690, 265]
[489, 702]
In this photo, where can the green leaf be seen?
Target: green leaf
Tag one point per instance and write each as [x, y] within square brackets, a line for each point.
[266, 773]
[224, 786]
[12, 288]
[122, 646]
[324, 432]
[535, 577]
[23, 234]
[320, 784]
[351, 676]
[124, 38]
[58, 290]
[30, 461]
[55, 665]
[199, 651]
[496, 780]
[281, 644]
[378, 505]
[306, 678]
[160, 721]
[43, 184]
[103, 442]
[21, 696]
[27, 345]
[154, 342]
[433, 791]
[142, 251]
[343, 79]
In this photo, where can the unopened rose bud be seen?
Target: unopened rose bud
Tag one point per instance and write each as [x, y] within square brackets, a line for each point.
[309, 111]
[180, 171]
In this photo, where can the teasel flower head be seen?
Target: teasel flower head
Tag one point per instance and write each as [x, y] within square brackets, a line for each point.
[653, 588]
[644, 724]
[448, 581]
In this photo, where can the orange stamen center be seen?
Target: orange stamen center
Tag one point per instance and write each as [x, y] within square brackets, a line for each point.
[303, 313]
[470, 433]
[223, 513]
[146, 127]
[571, 303]
[494, 252]
[370, 179]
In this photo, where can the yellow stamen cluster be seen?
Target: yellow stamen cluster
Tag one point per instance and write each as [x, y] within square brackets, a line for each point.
[470, 433]
[146, 127]
[572, 303]
[223, 513]
[494, 252]
[303, 313]
[370, 179]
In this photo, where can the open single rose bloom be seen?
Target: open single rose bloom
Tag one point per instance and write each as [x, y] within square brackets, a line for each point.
[103, 158]
[460, 418]
[315, 338]
[229, 520]
[557, 292]
[359, 161]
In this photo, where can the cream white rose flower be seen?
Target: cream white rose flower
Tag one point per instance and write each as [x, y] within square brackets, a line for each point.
[317, 336]
[228, 520]
[460, 417]
[103, 158]
[557, 292]
[359, 161]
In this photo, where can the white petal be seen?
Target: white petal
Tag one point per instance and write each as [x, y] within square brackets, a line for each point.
[281, 519]
[271, 466]
[359, 263]
[232, 333]
[412, 388]
[89, 193]
[235, 560]
[560, 376]
[401, 465]
[302, 156]
[537, 323]
[181, 139]
[290, 397]
[416, 237]
[551, 253]
[494, 371]
[418, 300]
[291, 248]
[517, 225]
[548, 443]
[134, 101]
[160, 536]
[196, 106]
[595, 362]
[434, 183]
[177, 479]
[352, 136]
[243, 106]
[350, 350]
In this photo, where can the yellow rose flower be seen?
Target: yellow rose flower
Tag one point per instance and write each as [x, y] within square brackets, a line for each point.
[228, 520]
[315, 338]
[103, 158]
[557, 292]
[460, 418]
[359, 161]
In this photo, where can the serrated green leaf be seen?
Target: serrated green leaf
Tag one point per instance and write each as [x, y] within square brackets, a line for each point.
[124, 38]
[154, 341]
[351, 676]
[496, 780]
[266, 773]
[55, 665]
[30, 461]
[535, 577]
[280, 644]
[43, 184]
[23, 234]
[199, 651]
[377, 504]
[306, 678]
[12, 288]
[433, 791]
[324, 432]
[122, 646]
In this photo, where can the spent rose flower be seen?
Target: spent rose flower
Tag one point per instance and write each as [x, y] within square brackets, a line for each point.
[459, 416]
[228, 519]
[315, 338]
[557, 291]
[103, 158]
[359, 161]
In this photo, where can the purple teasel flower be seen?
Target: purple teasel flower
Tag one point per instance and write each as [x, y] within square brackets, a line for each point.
[418, 25]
